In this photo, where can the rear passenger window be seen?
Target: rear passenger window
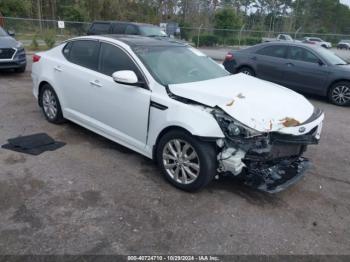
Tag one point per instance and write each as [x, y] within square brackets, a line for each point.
[131, 30]
[100, 28]
[274, 51]
[119, 29]
[114, 59]
[84, 53]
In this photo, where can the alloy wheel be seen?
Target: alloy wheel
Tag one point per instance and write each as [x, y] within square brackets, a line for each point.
[49, 104]
[341, 94]
[181, 161]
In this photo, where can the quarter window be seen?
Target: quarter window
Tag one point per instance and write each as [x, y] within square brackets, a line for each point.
[301, 54]
[114, 59]
[278, 51]
[84, 53]
[66, 50]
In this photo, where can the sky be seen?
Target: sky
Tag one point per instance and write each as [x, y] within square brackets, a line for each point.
[345, 2]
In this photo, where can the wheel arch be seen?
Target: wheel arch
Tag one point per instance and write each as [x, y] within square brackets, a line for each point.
[40, 89]
[246, 65]
[334, 82]
[162, 133]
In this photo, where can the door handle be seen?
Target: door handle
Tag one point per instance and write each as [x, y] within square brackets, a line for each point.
[58, 69]
[254, 58]
[289, 64]
[96, 83]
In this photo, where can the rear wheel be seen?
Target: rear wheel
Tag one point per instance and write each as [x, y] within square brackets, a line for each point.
[246, 70]
[51, 105]
[186, 162]
[339, 93]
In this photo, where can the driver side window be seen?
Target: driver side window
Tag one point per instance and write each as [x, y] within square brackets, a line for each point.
[114, 59]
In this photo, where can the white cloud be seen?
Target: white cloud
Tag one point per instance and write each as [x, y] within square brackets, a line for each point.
[347, 2]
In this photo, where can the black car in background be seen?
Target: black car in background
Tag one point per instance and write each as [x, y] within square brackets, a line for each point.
[12, 53]
[304, 68]
[125, 28]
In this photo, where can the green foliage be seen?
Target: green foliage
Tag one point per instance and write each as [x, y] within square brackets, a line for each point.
[206, 40]
[185, 32]
[15, 8]
[49, 37]
[226, 19]
[34, 45]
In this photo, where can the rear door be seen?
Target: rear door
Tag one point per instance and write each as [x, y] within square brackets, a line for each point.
[305, 70]
[73, 77]
[270, 62]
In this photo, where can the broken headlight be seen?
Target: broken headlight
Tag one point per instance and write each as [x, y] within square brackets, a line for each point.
[232, 128]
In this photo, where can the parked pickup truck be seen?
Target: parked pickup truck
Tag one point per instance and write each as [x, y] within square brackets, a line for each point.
[280, 37]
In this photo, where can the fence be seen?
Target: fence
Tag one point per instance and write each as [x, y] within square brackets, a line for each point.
[29, 30]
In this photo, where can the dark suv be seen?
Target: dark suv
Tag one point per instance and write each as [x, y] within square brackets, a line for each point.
[125, 28]
[12, 54]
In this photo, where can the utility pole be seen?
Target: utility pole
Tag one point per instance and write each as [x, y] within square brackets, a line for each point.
[39, 14]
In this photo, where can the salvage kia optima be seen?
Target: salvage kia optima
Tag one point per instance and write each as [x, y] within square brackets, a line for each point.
[169, 102]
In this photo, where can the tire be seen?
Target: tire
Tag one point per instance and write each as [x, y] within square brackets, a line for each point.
[50, 105]
[339, 93]
[190, 173]
[246, 70]
[20, 69]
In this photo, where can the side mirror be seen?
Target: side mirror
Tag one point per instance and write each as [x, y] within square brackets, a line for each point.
[320, 62]
[11, 33]
[126, 77]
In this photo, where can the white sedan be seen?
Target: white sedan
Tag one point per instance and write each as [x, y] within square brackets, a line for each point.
[171, 103]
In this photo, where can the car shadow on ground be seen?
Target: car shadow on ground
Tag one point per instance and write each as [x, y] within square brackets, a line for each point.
[73, 132]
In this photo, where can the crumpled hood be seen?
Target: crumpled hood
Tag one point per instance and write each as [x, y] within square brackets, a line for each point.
[7, 42]
[256, 103]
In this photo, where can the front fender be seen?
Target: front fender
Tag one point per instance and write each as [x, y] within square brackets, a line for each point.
[196, 119]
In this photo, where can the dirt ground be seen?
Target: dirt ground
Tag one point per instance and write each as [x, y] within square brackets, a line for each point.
[96, 197]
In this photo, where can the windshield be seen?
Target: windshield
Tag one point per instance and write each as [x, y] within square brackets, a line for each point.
[288, 37]
[179, 64]
[331, 57]
[152, 31]
[3, 32]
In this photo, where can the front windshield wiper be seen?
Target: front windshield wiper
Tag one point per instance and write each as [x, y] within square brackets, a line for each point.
[340, 64]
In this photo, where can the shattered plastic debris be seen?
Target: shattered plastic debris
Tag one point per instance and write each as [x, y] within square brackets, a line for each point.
[290, 122]
[231, 103]
[240, 96]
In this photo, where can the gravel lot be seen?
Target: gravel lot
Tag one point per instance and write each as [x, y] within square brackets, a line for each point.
[96, 197]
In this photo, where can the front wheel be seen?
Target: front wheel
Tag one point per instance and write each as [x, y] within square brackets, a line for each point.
[339, 93]
[186, 162]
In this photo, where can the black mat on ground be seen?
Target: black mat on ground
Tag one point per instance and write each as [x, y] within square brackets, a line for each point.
[33, 144]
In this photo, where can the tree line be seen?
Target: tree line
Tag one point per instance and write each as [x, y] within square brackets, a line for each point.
[318, 16]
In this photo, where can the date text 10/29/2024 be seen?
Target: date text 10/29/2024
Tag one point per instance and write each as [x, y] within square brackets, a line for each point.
[173, 258]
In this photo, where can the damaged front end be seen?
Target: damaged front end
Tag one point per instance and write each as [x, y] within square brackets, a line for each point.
[267, 161]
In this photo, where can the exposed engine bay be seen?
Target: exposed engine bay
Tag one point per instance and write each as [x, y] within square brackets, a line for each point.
[268, 161]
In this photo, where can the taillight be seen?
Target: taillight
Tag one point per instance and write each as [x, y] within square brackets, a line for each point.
[229, 57]
[36, 58]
